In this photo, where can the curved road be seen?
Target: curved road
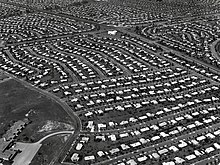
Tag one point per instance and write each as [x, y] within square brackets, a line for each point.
[54, 134]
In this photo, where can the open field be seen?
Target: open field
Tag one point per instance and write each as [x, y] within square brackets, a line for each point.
[18, 102]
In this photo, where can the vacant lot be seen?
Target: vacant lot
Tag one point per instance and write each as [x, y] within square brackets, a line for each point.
[18, 102]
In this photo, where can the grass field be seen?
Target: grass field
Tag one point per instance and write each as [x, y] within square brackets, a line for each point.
[18, 102]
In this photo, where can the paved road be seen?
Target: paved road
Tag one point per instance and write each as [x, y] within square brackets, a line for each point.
[54, 134]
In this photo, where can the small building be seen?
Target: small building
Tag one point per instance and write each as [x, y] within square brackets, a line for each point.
[75, 157]
[92, 157]
[112, 32]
